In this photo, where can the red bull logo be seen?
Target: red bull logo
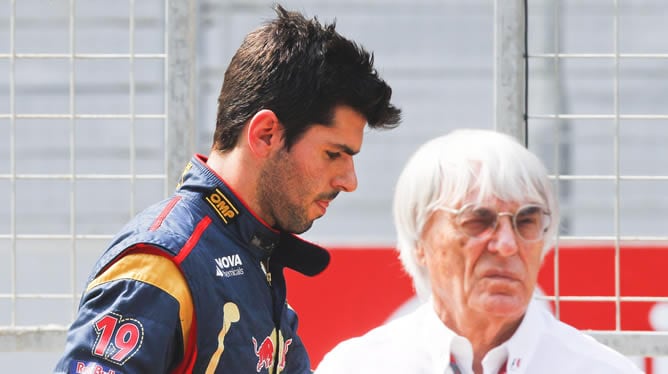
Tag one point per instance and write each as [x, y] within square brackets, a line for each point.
[264, 353]
[91, 368]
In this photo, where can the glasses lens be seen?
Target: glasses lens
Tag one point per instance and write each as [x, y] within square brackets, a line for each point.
[475, 221]
[530, 222]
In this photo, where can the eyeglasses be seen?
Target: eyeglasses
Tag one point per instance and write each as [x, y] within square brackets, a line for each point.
[529, 221]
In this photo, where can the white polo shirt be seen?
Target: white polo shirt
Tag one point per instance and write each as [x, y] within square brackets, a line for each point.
[420, 343]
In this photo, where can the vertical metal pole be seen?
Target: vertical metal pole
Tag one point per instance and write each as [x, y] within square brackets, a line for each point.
[12, 159]
[618, 305]
[561, 148]
[133, 111]
[73, 157]
[509, 88]
[181, 84]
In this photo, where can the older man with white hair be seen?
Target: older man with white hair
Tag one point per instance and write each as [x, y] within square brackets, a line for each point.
[475, 213]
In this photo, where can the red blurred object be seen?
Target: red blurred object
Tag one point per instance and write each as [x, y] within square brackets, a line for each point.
[359, 290]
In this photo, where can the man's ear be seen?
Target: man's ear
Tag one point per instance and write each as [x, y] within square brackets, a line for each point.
[419, 253]
[265, 133]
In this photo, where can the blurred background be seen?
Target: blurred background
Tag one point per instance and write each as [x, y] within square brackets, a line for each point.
[102, 104]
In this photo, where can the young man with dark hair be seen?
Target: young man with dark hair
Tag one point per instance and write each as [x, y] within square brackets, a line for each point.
[195, 283]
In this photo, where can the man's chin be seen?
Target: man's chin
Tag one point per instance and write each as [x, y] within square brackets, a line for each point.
[297, 229]
[301, 231]
[504, 305]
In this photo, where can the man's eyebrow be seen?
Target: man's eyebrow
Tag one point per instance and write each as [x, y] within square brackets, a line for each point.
[345, 149]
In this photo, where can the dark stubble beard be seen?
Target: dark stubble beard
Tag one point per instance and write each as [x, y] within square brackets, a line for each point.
[279, 180]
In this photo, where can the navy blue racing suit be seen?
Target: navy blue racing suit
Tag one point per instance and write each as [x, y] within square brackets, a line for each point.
[193, 284]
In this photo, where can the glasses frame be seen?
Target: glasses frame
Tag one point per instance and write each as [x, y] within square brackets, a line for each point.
[492, 229]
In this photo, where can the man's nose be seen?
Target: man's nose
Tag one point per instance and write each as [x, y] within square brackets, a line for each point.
[347, 179]
[504, 239]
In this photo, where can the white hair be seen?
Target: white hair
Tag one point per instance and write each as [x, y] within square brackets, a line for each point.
[446, 170]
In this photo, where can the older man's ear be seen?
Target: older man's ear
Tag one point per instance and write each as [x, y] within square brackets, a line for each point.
[420, 255]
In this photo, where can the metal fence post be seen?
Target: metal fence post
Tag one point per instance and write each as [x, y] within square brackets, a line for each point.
[509, 68]
[181, 80]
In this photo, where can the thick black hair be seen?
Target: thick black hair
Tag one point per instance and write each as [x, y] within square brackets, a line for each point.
[301, 70]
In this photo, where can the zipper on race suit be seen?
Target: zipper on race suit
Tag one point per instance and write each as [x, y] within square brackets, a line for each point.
[267, 273]
[277, 321]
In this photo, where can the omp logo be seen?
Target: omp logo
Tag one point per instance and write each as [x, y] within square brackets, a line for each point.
[229, 266]
[222, 205]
